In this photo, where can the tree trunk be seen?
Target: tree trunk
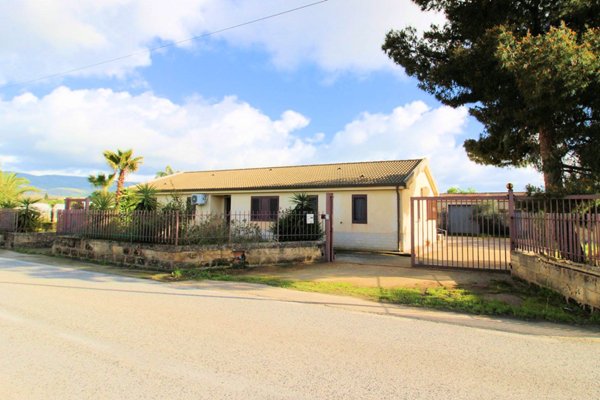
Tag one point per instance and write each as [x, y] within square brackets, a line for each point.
[120, 183]
[551, 162]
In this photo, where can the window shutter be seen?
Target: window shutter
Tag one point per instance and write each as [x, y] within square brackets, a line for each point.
[431, 209]
[274, 207]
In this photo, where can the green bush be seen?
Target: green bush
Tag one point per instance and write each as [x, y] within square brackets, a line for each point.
[292, 223]
[292, 226]
[208, 230]
[245, 232]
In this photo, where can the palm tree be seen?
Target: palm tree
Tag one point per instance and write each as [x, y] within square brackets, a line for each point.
[168, 171]
[12, 188]
[102, 181]
[122, 163]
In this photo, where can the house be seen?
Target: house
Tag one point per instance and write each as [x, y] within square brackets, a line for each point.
[371, 200]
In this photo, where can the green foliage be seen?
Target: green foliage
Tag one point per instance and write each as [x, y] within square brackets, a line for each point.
[292, 223]
[245, 232]
[102, 181]
[102, 201]
[147, 200]
[168, 171]
[457, 190]
[29, 218]
[12, 189]
[128, 201]
[207, 230]
[175, 203]
[528, 70]
[536, 304]
[216, 229]
[122, 163]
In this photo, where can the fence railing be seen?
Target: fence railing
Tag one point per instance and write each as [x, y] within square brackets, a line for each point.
[9, 220]
[172, 227]
[567, 228]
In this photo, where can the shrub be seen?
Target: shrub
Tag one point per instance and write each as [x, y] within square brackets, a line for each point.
[29, 219]
[245, 232]
[211, 229]
[292, 224]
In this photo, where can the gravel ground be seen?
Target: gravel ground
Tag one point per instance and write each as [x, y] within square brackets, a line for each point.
[73, 334]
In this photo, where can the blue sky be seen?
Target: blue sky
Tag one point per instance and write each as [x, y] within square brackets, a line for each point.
[312, 86]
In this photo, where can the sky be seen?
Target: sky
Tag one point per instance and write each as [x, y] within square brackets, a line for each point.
[304, 87]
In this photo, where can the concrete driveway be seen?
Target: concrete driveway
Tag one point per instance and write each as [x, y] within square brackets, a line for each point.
[382, 270]
[68, 333]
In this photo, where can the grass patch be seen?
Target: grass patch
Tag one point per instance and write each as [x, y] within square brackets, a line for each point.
[537, 303]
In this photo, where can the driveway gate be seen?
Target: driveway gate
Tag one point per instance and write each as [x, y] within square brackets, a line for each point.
[470, 231]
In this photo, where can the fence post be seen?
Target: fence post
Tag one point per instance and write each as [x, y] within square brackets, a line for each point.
[176, 228]
[512, 232]
[329, 253]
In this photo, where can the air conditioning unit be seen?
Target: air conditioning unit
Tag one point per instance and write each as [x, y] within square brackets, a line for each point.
[199, 199]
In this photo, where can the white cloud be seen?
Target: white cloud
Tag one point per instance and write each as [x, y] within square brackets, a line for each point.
[48, 37]
[416, 131]
[42, 38]
[67, 130]
[338, 35]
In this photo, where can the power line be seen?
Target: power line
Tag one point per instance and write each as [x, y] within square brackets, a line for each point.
[154, 49]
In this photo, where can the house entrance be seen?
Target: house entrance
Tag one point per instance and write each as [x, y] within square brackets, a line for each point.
[227, 208]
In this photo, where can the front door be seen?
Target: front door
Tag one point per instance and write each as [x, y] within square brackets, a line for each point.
[227, 208]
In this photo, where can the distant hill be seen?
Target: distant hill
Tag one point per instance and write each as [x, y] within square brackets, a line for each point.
[61, 185]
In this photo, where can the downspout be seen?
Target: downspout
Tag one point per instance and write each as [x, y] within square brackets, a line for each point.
[399, 220]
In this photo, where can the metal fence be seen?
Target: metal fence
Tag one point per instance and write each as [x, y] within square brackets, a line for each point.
[567, 228]
[172, 227]
[9, 220]
[461, 232]
[479, 231]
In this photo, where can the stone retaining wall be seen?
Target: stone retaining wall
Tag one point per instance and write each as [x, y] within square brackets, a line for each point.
[574, 281]
[168, 257]
[32, 240]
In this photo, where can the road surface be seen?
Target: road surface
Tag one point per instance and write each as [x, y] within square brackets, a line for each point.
[72, 334]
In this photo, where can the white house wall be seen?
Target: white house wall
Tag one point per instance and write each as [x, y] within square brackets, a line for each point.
[420, 185]
[381, 230]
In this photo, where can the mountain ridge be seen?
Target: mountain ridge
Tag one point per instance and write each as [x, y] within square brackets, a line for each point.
[61, 185]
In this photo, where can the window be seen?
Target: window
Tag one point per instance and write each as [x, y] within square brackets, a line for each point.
[313, 202]
[264, 208]
[359, 208]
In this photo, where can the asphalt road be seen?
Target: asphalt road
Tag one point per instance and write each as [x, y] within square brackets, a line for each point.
[72, 334]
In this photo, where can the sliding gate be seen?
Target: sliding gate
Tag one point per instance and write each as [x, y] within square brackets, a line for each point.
[461, 232]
